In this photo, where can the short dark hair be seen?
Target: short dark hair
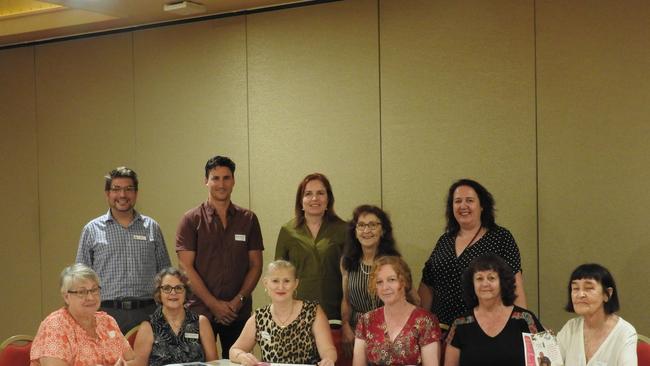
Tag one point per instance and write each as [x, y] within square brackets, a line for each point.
[120, 172]
[219, 161]
[601, 275]
[352, 251]
[485, 200]
[330, 215]
[175, 272]
[489, 262]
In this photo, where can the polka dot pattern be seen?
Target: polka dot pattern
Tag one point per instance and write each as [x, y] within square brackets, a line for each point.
[443, 270]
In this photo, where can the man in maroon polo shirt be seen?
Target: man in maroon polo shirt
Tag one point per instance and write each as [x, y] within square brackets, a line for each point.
[219, 245]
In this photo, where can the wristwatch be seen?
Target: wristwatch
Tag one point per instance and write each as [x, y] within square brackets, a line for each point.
[241, 298]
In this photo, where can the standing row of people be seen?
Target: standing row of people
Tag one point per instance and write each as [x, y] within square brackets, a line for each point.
[219, 246]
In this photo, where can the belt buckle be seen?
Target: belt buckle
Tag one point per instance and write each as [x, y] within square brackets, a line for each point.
[127, 305]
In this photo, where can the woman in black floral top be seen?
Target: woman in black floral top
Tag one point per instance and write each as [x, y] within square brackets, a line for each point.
[174, 334]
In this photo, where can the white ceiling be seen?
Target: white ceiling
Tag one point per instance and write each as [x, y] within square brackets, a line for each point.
[25, 21]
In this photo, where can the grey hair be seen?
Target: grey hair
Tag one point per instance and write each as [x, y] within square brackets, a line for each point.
[75, 272]
[280, 264]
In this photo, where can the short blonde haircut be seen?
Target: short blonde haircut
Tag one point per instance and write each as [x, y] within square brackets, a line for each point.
[74, 273]
[280, 264]
[399, 266]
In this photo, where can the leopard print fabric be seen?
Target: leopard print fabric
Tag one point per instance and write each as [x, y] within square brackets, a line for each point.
[294, 343]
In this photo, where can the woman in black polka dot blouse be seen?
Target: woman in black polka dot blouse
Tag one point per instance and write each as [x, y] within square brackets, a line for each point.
[471, 231]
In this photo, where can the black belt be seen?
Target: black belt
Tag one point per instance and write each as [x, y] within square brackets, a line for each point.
[127, 304]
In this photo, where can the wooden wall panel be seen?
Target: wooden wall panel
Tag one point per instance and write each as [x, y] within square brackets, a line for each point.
[314, 107]
[85, 129]
[457, 100]
[190, 92]
[19, 245]
[594, 87]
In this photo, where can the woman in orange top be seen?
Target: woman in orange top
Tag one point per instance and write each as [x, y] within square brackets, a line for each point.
[78, 334]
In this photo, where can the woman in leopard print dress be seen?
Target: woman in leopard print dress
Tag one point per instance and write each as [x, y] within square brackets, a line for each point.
[287, 330]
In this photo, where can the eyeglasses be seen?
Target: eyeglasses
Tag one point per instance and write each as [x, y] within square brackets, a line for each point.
[84, 292]
[127, 189]
[361, 226]
[178, 289]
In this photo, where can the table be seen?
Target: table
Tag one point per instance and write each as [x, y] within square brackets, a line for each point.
[226, 362]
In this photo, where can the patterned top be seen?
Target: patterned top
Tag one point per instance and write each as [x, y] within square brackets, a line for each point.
[443, 271]
[294, 343]
[361, 301]
[506, 348]
[126, 259]
[420, 329]
[171, 348]
[60, 336]
[317, 262]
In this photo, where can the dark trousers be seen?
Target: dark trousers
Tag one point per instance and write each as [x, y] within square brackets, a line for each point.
[128, 319]
[227, 334]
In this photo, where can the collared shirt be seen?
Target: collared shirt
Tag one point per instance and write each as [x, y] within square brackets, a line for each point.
[60, 336]
[221, 253]
[317, 262]
[126, 259]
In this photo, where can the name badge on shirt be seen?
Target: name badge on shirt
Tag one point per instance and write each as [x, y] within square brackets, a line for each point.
[240, 237]
[139, 237]
[111, 334]
[192, 335]
[265, 335]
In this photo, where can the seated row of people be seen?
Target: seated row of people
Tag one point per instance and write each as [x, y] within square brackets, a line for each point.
[296, 331]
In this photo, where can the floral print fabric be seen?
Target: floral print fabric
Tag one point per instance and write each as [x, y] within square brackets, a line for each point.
[420, 330]
[60, 336]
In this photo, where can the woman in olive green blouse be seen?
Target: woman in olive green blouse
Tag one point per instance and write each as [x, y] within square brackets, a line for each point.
[313, 242]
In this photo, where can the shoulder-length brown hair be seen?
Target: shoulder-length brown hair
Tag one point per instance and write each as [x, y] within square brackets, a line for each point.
[330, 215]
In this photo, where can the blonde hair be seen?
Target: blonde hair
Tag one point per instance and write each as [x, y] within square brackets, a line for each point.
[401, 269]
[280, 264]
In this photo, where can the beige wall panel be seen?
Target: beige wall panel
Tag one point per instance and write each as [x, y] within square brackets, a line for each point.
[85, 128]
[457, 100]
[314, 107]
[190, 92]
[19, 247]
[594, 87]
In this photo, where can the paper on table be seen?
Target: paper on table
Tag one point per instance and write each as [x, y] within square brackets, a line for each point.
[541, 349]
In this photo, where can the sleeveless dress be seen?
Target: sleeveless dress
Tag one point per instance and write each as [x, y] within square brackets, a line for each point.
[294, 343]
[171, 348]
[361, 301]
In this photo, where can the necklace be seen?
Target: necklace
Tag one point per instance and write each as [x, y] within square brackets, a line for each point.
[283, 323]
[361, 264]
[474, 237]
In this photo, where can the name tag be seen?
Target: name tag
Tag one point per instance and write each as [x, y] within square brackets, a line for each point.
[192, 335]
[139, 237]
[111, 334]
[240, 237]
[265, 335]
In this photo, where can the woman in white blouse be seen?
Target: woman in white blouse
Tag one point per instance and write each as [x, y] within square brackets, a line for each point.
[598, 337]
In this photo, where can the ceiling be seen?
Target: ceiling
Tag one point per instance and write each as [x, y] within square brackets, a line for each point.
[27, 21]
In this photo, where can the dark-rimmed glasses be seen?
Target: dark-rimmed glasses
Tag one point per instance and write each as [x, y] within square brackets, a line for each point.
[178, 289]
[84, 292]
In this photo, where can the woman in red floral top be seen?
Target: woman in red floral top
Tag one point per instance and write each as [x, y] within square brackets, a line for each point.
[399, 333]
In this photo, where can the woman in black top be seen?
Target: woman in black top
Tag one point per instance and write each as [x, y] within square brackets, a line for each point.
[490, 334]
[471, 231]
